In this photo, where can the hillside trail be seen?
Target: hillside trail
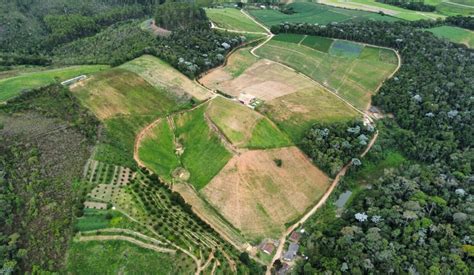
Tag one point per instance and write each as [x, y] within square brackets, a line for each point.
[313, 210]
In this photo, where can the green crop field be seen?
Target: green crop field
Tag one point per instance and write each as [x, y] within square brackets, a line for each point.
[204, 155]
[117, 257]
[315, 13]
[157, 150]
[233, 19]
[245, 127]
[346, 49]
[11, 87]
[455, 34]
[321, 44]
[354, 79]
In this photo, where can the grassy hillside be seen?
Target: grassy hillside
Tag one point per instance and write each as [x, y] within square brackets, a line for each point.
[161, 74]
[315, 14]
[157, 150]
[455, 34]
[204, 155]
[121, 92]
[352, 70]
[11, 87]
[243, 126]
[112, 257]
[233, 19]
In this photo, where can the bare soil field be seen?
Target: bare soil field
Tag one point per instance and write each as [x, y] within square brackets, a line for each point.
[264, 79]
[259, 197]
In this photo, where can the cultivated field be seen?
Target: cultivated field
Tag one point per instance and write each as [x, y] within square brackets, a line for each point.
[295, 113]
[352, 70]
[315, 13]
[204, 155]
[373, 6]
[121, 92]
[259, 197]
[455, 34]
[13, 86]
[157, 150]
[232, 19]
[264, 79]
[243, 126]
[162, 75]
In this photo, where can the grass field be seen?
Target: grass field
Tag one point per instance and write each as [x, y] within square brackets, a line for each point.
[295, 113]
[121, 92]
[239, 61]
[117, 257]
[232, 19]
[315, 14]
[373, 6]
[162, 75]
[351, 70]
[243, 126]
[204, 155]
[11, 87]
[157, 150]
[258, 197]
[455, 34]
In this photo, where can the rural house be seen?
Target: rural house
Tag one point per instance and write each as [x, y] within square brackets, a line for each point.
[291, 253]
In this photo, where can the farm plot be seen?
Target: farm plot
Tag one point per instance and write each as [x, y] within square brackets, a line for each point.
[158, 151]
[295, 113]
[454, 34]
[233, 19]
[13, 86]
[264, 79]
[121, 92]
[162, 75]
[204, 155]
[315, 14]
[354, 79]
[243, 126]
[259, 191]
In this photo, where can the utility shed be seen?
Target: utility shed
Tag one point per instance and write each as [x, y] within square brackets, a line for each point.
[291, 253]
[343, 198]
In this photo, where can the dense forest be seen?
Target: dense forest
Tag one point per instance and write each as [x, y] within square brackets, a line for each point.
[410, 4]
[416, 218]
[46, 137]
[109, 32]
[332, 145]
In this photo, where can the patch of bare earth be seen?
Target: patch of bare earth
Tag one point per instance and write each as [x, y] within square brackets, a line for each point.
[264, 79]
[258, 197]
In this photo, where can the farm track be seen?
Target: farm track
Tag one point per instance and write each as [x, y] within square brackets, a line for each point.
[313, 210]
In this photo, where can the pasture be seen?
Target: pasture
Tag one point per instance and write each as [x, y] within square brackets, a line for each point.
[243, 126]
[351, 70]
[160, 74]
[157, 150]
[454, 34]
[307, 12]
[232, 19]
[13, 86]
[258, 197]
[204, 155]
[121, 92]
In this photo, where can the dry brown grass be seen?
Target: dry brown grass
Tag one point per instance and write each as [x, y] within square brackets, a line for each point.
[258, 197]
